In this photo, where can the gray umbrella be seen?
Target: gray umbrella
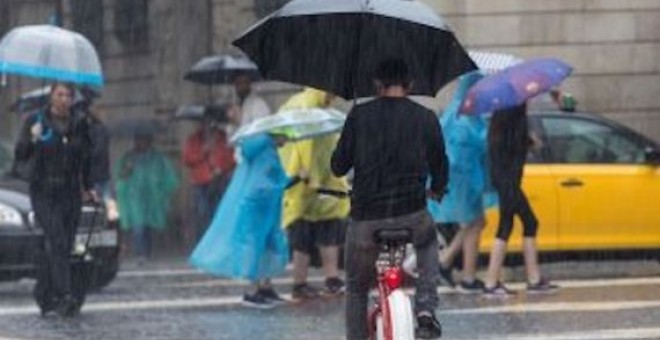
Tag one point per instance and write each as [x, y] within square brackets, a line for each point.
[132, 127]
[221, 69]
[336, 45]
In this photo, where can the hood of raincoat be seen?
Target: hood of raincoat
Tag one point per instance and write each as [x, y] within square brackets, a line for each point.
[312, 157]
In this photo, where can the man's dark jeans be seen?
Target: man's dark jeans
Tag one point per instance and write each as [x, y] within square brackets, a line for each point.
[361, 254]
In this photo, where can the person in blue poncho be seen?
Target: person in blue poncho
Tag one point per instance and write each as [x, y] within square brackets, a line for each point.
[245, 239]
[465, 138]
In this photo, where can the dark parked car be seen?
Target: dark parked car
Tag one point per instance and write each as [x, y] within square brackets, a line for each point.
[96, 249]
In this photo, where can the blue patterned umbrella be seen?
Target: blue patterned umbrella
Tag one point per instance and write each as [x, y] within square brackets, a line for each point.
[515, 85]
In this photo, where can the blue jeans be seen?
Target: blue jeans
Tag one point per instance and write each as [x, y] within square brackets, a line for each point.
[141, 241]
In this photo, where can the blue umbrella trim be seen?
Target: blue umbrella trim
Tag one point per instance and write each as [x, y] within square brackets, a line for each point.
[92, 79]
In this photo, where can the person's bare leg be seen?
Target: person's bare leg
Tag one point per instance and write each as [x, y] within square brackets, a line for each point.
[471, 249]
[300, 267]
[447, 256]
[530, 253]
[330, 258]
[495, 263]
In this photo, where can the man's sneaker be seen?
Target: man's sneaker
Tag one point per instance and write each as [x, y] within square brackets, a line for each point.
[446, 276]
[271, 296]
[334, 286]
[475, 287]
[428, 327]
[542, 287]
[499, 291]
[256, 300]
[303, 291]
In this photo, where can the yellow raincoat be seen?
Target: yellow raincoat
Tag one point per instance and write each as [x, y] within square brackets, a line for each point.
[312, 157]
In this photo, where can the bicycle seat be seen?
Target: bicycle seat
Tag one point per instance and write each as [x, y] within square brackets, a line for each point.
[393, 236]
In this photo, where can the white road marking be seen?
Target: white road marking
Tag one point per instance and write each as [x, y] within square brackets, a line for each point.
[442, 290]
[522, 308]
[606, 334]
[549, 307]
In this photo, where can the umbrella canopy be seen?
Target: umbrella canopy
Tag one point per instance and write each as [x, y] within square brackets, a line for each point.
[190, 112]
[336, 45]
[35, 99]
[198, 112]
[49, 52]
[221, 69]
[515, 85]
[296, 124]
[493, 62]
[132, 127]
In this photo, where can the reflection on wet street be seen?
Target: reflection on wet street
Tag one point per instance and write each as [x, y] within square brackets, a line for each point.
[171, 301]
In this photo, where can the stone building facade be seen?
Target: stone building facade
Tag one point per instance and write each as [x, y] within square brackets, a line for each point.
[614, 46]
[147, 45]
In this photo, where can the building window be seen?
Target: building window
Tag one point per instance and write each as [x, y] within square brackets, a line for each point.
[265, 7]
[87, 17]
[132, 23]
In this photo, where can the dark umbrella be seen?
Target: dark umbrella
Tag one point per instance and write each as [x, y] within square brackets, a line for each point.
[36, 99]
[218, 113]
[132, 127]
[221, 69]
[336, 45]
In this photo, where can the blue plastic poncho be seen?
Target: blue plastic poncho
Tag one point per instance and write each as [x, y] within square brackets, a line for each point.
[245, 240]
[465, 140]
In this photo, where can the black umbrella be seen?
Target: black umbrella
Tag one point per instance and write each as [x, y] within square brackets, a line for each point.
[217, 113]
[132, 127]
[36, 99]
[336, 45]
[221, 69]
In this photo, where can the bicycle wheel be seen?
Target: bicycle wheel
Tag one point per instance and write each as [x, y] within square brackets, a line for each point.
[401, 315]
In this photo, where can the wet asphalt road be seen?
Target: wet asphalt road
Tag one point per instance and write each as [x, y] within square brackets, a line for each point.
[167, 300]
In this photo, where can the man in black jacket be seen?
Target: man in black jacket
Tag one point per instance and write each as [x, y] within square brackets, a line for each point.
[393, 145]
[56, 143]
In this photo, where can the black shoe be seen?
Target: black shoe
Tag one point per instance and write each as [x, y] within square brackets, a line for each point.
[446, 275]
[499, 291]
[475, 287]
[303, 291]
[68, 307]
[334, 286]
[542, 287]
[271, 296]
[47, 310]
[256, 300]
[428, 327]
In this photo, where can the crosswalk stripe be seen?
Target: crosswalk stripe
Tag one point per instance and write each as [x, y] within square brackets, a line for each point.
[521, 308]
[607, 334]
[549, 307]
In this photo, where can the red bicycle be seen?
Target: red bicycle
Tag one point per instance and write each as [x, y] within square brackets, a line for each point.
[391, 317]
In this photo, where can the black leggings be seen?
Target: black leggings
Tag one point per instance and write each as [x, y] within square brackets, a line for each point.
[514, 202]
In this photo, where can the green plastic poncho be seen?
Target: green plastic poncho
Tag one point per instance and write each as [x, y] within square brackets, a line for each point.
[145, 182]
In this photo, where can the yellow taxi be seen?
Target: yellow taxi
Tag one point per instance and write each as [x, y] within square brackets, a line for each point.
[594, 185]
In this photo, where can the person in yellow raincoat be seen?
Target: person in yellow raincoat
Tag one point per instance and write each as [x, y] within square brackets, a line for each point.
[314, 215]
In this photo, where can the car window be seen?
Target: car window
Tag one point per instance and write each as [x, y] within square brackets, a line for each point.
[580, 141]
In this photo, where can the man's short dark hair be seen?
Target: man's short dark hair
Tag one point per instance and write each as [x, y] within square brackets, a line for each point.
[393, 72]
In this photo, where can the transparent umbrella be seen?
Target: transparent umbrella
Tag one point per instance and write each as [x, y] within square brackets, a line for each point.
[50, 53]
[295, 124]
